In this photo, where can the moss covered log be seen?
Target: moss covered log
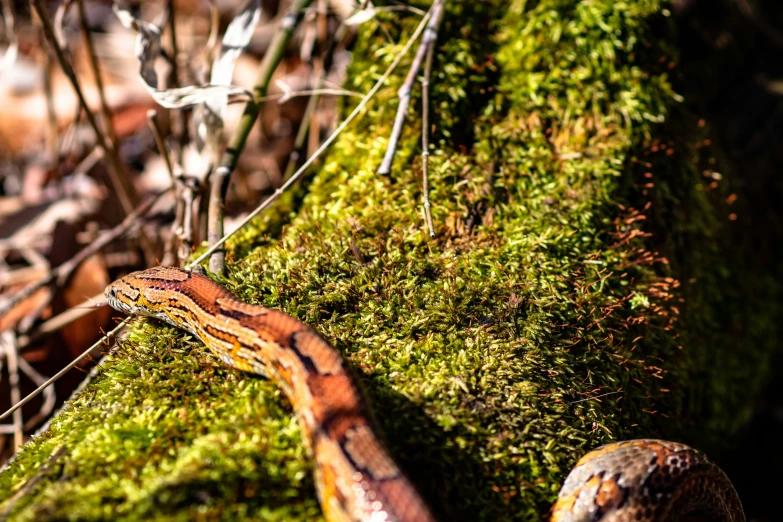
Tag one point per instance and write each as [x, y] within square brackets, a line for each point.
[580, 290]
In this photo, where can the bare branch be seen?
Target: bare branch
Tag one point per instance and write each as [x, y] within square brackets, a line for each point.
[404, 94]
[425, 138]
[60, 320]
[9, 347]
[96, 71]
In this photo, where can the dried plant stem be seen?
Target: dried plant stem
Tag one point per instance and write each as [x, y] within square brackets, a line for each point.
[119, 180]
[152, 118]
[214, 29]
[174, 47]
[60, 320]
[53, 134]
[60, 274]
[169, 251]
[62, 372]
[11, 355]
[90, 160]
[404, 94]
[179, 116]
[180, 241]
[49, 399]
[425, 139]
[301, 134]
[312, 102]
[333, 136]
[222, 175]
[96, 71]
[17, 364]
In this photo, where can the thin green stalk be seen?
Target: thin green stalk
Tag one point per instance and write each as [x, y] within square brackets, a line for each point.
[222, 175]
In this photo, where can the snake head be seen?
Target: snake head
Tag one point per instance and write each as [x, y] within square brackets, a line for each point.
[124, 295]
[157, 292]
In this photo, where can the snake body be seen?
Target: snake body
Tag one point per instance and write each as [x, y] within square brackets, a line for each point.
[356, 478]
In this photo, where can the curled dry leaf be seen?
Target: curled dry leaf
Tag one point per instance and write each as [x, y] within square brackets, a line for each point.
[361, 15]
[148, 49]
[236, 39]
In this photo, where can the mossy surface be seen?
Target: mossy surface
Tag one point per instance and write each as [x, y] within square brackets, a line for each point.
[574, 294]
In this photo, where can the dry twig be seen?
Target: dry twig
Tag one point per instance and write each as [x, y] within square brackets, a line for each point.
[425, 138]
[62, 372]
[96, 71]
[404, 94]
[61, 274]
[11, 354]
[60, 320]
[122, 185]
[312, 102]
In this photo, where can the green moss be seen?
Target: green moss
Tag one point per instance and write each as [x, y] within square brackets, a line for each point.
[554, 278]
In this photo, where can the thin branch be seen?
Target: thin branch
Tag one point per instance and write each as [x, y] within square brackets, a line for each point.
[425, 138]
[312, 102]
[125, 192]
[89, 161]
[152, 119]
[53, 136]
[183, 195]
[214, 30]
[221, 177]
[49, 399]
[60, 274]
[9, 347]
[192, 188]
[65, 370]
[301, 135]
[404, 94]
[60, 320]
[96, 71]
[180, 116]
[333, 136]
[174, 47]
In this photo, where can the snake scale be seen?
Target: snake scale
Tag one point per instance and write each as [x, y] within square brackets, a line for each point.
[357, 480]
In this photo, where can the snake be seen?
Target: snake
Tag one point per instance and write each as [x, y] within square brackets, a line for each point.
[357, 480]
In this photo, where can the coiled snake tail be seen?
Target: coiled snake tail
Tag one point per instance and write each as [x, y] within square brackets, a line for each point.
[647, 480]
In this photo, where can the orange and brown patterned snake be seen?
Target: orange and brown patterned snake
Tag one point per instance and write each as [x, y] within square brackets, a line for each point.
[357, 480]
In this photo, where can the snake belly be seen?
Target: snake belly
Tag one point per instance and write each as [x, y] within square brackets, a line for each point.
[356, 478]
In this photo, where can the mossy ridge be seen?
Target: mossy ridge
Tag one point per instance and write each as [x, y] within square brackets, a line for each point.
[475, 347]
[155, 436]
